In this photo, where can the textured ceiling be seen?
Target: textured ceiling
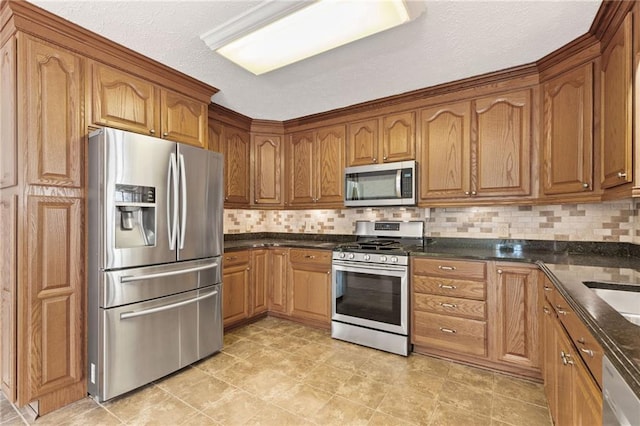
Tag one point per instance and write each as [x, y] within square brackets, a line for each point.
[450, 41]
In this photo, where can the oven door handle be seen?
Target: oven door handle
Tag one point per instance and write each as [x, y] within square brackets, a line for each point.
[348, 265]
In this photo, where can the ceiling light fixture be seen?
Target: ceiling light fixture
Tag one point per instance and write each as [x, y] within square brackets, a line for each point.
[276, 33]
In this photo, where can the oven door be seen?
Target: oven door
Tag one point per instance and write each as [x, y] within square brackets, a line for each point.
[370, 295]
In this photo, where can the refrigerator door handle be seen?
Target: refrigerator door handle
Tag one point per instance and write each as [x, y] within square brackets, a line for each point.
[183, 196]
[131, 278]
[134, 314]
[172, 186]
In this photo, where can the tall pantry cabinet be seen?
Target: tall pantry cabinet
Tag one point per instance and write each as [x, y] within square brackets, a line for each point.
[42, 193]
[46, 101]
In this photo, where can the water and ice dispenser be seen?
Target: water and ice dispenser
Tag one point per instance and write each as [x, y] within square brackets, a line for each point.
[135, 216]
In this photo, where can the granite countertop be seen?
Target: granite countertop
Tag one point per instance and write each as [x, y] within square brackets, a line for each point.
[567, 264]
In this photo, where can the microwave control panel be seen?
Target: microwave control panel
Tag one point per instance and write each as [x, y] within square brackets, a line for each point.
[407, 183]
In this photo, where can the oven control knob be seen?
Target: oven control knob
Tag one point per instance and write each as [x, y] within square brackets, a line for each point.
[342, 255]
[394, 260]
[367, 257]
[351, 255]
[383, 258]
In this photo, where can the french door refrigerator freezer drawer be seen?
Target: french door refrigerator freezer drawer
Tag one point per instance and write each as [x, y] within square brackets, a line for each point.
[142, 342]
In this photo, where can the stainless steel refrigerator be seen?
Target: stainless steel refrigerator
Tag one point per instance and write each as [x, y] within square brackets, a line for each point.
[155, 217]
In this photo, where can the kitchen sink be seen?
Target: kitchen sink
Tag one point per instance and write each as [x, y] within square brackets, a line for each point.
[624, 298]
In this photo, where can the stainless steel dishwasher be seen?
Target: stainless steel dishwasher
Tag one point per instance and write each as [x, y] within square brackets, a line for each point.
[620, 405]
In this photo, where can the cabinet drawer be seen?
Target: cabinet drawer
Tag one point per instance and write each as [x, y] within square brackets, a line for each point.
[450, 333]
[450, 287]
[589, 349]
[464, 269]
[320, 257]
[235, 258]
[465, 308]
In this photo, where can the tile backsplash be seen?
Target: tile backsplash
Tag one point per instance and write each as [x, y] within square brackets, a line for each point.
[610, 221]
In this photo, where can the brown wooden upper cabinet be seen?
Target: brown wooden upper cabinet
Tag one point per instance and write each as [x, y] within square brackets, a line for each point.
[616, 108]
[567, 133]
[267, 159]
[445, 151]
[126, 102]
[397, 143]
[478, 148]
[501, 142]
[236, 149]
[315, 167]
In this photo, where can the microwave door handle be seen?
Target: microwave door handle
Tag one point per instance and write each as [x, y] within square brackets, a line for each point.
[172, 220]
[183, 197]
[399, 183]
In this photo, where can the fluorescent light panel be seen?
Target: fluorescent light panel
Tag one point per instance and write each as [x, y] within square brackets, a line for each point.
[321, 26]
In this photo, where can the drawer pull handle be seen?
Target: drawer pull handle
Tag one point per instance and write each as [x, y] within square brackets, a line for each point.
[447, 330]
[309, 256]
[546, 311]
[587, 351]
[446, 268]
[566, 358]
[547, 288]
[560, 310]
[581, 341]
[231, 258]
[447, 287]
[448, 305]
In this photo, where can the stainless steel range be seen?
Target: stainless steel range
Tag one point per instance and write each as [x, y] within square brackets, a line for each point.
[370, 285]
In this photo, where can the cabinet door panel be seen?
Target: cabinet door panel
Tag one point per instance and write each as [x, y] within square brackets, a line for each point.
[502, 143]
[8, 114]
[398, 137]
[216, 137]
[311, 293]
[278, 284]
[8, 295]
[445, 156]
[568, 132]
[123, 101]
[301, 169]
[550, 358]
[260, 274]
[54, 301]
[616, 108]
[53, 91]
[235, 293]
[236, 167]
[330, 166]
[267, 169]
[363, 142]
[564, 377]
[183, 119]
[516, 326]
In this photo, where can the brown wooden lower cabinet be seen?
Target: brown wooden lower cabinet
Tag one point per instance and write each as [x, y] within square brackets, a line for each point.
[515, 305]
[235, 287]
[279, 279]
[574, 396]
[568, 353]
[260, 270]
[291, 283]
[310, 275]
[480, 312]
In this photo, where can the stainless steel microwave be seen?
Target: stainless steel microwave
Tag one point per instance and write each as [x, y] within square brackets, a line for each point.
[389, 184]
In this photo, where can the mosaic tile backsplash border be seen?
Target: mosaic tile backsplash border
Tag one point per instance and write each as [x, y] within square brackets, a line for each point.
[615, 221]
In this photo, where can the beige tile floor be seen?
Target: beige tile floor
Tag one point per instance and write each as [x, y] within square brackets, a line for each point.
[276, 372]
